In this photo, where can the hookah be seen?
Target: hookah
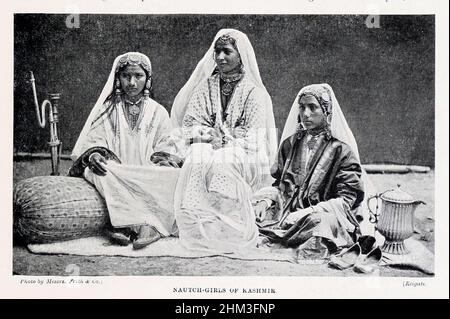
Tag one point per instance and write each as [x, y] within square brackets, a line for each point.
[55, 143]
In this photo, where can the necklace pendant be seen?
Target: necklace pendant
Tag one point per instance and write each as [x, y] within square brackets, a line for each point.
[134, 110]
[227, 88]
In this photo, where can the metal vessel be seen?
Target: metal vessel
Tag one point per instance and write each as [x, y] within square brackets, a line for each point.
[395, 218]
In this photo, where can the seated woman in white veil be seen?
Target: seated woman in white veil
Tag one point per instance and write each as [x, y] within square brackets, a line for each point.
[225, 117]
[319, 190]
[125, 126]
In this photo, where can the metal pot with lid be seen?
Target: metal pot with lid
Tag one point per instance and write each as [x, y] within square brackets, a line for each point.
[395, 220]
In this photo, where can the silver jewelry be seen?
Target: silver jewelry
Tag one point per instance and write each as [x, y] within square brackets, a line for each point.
[229, 82]
[134, 108]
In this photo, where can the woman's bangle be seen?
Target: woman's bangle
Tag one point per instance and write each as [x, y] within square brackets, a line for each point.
[267, 201]
[90, 156]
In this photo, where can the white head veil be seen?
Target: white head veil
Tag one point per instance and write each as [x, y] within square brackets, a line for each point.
[204, 70]
[339, 127]
[133, 57]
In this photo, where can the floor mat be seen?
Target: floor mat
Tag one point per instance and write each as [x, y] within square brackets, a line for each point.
[169, 246]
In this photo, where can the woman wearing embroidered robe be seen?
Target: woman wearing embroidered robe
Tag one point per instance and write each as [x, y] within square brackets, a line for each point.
[126, 126]
[225, 115]
[318, 187]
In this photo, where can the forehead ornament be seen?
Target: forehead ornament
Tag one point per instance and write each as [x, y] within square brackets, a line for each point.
[134, 59]
[225, 40]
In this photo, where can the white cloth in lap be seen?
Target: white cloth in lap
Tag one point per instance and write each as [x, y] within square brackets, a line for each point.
[206, 219]
[137, 195]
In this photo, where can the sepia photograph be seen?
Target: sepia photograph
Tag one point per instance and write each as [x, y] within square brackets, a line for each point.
[223, 145]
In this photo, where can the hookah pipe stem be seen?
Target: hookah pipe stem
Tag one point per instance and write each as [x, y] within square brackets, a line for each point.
[40, 116]
[54, 142]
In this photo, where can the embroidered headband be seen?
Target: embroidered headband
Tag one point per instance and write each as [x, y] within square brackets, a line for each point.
[135, 59]
[322, 96]
[225, 40]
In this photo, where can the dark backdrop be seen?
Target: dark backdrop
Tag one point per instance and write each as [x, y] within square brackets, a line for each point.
[383, 77]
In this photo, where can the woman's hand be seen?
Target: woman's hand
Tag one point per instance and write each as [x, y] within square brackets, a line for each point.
[166, 159]
[260, 210]
[167, 163]
[96, 162]
[240, 132]
[203, 135]
[294, 217]
[217, 142]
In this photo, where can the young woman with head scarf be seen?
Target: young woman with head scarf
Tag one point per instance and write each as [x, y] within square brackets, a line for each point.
[318, 187]
[125, 126]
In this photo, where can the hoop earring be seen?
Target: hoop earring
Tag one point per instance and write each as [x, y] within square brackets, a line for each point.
[148, 86]
[118, 91]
